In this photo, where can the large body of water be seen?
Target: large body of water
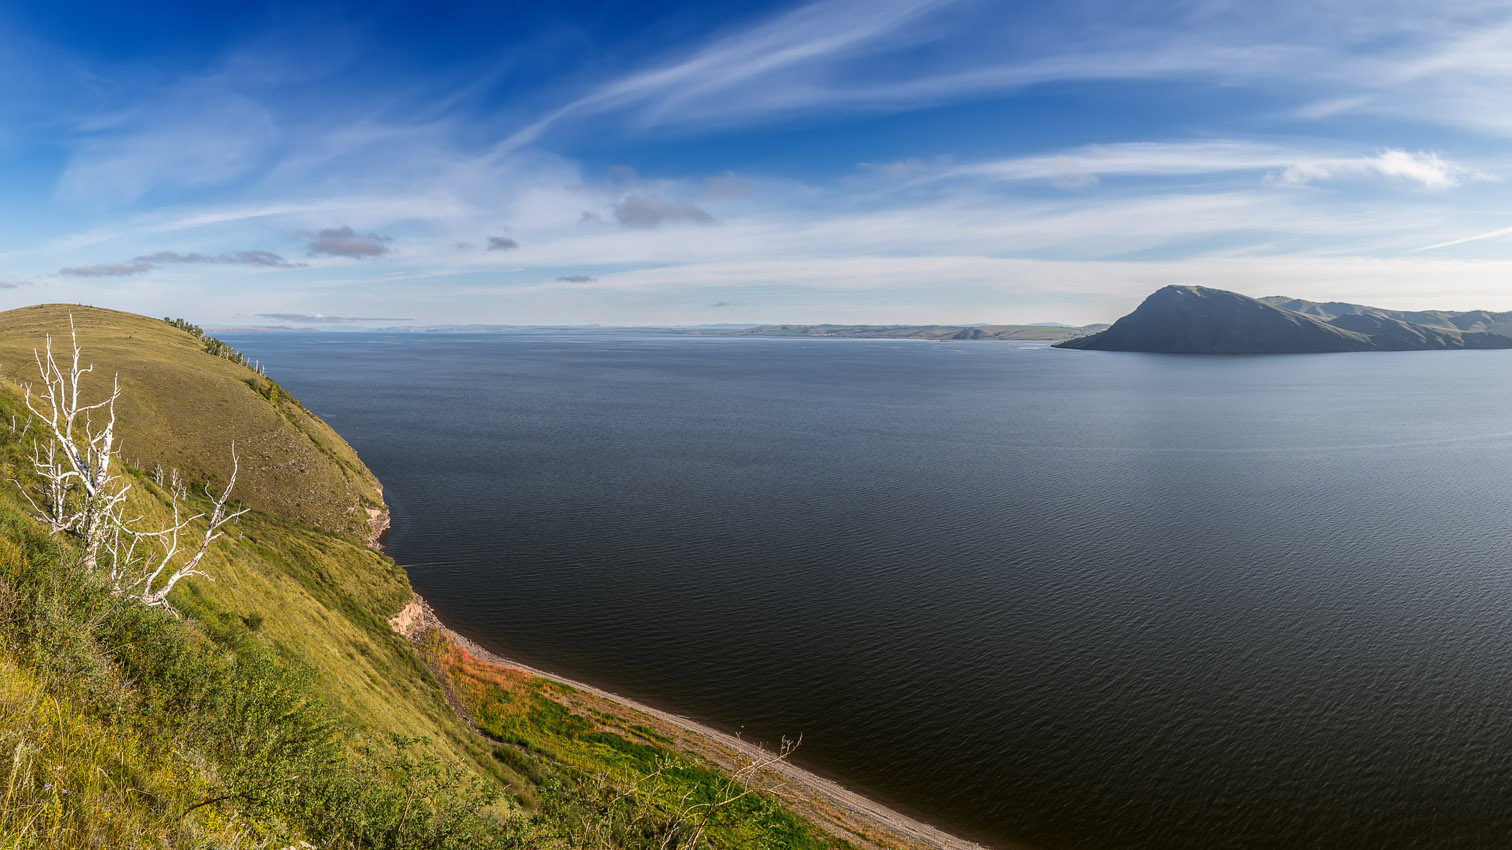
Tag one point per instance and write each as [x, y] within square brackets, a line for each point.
[1066, 599]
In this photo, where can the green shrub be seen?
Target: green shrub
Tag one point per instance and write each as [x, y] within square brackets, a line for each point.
[267, 753]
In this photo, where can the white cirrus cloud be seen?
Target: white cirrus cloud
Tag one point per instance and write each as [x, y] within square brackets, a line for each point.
[193, 135]
[1080, 167]
[1426, 169]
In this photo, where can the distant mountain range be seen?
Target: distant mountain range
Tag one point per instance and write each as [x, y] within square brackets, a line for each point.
[1199, 320]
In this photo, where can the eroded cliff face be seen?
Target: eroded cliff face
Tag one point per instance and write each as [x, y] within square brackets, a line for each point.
[378, 522]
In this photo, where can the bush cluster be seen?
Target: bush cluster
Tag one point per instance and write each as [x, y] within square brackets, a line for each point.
[210, 343]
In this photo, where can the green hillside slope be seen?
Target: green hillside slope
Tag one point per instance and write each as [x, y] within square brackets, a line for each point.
[181, 407]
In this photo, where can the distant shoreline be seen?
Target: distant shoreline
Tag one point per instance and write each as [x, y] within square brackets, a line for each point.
[939, 333]
[417, 618]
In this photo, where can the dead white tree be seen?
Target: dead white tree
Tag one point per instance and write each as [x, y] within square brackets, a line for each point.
[80, 494]
[138, 576]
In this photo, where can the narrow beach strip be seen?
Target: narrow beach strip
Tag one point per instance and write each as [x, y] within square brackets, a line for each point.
[828, 804]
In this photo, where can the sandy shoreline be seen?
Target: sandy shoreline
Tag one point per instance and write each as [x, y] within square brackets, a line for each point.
[859, 819]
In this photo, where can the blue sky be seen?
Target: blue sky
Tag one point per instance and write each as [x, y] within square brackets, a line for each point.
[894, 161]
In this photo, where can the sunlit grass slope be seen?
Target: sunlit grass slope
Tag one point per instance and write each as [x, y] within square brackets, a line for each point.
[182, 407]
[278, 697]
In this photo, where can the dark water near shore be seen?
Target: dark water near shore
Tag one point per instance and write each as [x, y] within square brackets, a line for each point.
[1071, 599]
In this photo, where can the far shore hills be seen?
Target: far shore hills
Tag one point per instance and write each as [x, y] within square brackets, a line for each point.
[1043, 331]
[1200, 320]
[1172, 320]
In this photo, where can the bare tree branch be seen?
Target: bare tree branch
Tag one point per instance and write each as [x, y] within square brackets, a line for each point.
[156, 595]
[82, 496]
[80, 492]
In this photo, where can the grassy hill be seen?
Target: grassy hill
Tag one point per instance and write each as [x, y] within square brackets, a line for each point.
[284, 664]
[1471, 321]
[283, 707]
[182, 407]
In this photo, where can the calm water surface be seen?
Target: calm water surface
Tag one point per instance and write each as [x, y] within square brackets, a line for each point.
[1067, 599]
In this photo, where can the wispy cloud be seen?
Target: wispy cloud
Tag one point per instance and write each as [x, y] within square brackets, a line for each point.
[727, 184]
[148, 262]
[343, 241]
[502, 243]
[1081, 167]
[190, 134]
[1424, 169]
[1478, 237]
[1145, 159]
[1444, 63]
[644, 212]
[575, 278]
[797, 46]
[108, 269]
[14, 284]
[266, 259]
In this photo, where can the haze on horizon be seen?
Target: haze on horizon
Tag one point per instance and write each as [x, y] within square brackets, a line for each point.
[889, 161]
